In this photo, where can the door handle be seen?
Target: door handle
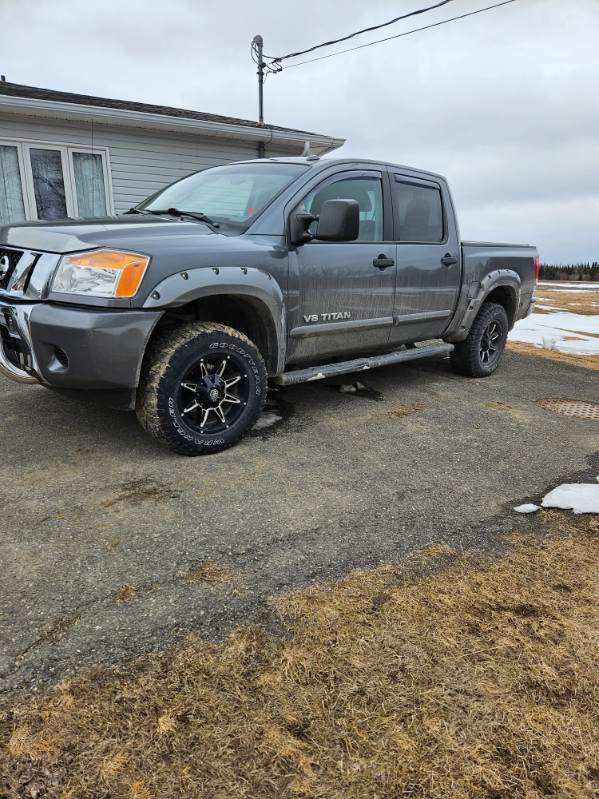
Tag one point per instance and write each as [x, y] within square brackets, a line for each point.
[382, 262]
[449, 259]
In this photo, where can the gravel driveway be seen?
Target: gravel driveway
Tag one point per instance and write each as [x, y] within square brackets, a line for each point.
[106, 537]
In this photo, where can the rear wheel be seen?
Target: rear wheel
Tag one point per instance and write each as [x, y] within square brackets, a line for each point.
[203, 386]
[480, 354]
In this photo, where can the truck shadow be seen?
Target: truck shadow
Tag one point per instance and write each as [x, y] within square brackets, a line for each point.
[52, 425]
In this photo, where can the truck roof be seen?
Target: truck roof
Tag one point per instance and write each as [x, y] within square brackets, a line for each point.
[315, 161]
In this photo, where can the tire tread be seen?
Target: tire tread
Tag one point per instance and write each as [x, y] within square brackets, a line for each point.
[465, 358]
[163, 347]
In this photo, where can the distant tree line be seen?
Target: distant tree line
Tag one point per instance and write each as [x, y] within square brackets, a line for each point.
[570, 271]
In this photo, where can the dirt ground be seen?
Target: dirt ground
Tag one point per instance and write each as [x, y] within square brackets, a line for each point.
[231, 653]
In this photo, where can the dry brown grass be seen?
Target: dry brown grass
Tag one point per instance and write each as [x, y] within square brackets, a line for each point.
[126, 593]
[401, 409]
[582, 302]
[479, 680]
[213, 574]
[585, 361]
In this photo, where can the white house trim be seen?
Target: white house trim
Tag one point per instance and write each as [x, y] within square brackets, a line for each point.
[90, 113]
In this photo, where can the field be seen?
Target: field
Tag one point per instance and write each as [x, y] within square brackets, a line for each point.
[564, 325]
[476, 680]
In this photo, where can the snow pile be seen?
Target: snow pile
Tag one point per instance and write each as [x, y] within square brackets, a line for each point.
[579, 497]
[562, 331]
[266, 419]
[527, 508]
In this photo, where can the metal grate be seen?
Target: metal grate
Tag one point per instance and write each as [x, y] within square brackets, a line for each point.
[578, 409]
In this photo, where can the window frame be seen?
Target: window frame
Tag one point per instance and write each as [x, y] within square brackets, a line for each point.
[24, 146]
[353, 174]
[409, 180]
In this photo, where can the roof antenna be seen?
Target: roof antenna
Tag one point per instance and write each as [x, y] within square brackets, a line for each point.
[306, 151]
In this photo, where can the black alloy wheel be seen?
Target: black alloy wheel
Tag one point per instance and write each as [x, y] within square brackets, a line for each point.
[213, 393]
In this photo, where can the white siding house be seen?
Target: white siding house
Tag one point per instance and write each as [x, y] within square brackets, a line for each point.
[64, 154]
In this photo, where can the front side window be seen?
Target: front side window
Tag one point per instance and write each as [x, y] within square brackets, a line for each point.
[420, 213]
[233, 193]
[367, 192]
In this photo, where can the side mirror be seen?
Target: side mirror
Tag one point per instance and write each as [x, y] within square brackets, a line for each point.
[339, 220]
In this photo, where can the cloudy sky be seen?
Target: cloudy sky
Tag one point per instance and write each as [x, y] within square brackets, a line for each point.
[505, 104]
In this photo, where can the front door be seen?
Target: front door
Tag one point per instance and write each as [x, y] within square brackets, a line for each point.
[428, 263]
[344, 290]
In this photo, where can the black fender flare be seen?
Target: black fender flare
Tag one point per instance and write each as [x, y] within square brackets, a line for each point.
[246, 282]
[478, 293]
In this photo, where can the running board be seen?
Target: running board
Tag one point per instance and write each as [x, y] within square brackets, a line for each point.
[360, 364]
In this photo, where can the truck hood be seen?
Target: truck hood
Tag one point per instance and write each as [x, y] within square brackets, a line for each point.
[140, 233]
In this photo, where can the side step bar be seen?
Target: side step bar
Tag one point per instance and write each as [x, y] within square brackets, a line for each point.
[360, 364]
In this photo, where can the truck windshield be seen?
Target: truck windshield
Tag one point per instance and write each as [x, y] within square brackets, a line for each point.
[230, 194]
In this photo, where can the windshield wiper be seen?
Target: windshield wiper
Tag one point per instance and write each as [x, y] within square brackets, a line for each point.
[192, 214]
[137, 211]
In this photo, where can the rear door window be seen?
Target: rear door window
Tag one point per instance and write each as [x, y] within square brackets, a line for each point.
[420, 211]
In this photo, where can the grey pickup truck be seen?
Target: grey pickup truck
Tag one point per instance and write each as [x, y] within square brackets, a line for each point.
[288, 268]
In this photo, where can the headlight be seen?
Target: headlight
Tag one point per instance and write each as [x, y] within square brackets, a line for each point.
[101, 273]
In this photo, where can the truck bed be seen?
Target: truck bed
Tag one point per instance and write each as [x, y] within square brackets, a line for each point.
[482, 263]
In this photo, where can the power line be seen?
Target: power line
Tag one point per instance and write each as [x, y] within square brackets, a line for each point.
[280, 58]
[398, 35]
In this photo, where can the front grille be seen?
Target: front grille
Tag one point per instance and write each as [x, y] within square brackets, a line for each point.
[8, 263]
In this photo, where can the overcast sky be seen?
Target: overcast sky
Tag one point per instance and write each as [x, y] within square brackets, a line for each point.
[505, 104]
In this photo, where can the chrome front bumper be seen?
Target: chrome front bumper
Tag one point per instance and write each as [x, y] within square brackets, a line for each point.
[15, 338]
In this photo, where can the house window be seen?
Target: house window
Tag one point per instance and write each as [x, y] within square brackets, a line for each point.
[90, 188]
[47, 173]
[12, 206]
[46, 181]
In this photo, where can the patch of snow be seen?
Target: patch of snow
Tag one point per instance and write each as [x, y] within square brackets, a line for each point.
[562, 331]
[266, 419]
[574, 285]
[579, 497]
[347, 388]
[527, 508]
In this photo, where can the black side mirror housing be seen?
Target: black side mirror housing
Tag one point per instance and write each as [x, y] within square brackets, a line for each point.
[298, 228]
[339, 220]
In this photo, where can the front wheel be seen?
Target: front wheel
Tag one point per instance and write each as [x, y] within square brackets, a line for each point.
[203, 386]
[479, 354]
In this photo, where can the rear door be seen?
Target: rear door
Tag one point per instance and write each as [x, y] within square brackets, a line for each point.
[428, 258]
[344, 290]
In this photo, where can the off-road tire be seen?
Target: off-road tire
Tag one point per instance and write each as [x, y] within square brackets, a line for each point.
[466, 358]
[170, 355]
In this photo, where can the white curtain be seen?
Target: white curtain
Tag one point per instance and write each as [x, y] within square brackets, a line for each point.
[89, 183]
[12, 208]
